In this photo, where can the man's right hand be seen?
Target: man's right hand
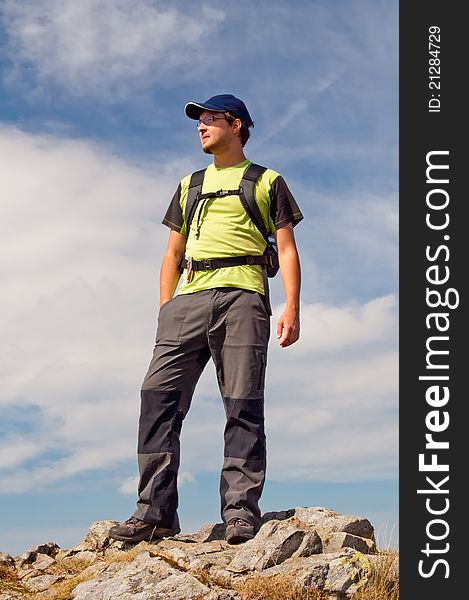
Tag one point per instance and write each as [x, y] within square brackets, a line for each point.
[169, 273]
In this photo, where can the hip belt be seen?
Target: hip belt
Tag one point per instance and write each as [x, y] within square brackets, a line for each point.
[210, 264]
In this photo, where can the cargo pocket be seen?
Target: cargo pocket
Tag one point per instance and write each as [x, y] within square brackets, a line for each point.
[261, 301]
[170, 321]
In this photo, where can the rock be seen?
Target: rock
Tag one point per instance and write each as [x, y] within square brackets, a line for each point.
[318, 547]
[28, 557]
[85, 556]
[311, 544]
[42, 562]
[308, 571]
[209, 533]
[6, 560]
[275, 542]
[338, 540]
[146, 578]
[277, 516]
[331, 527]
[339, 573]
[41, 582]
[33, 569]
[197, 556]
[326, 521]
[347, 573]
[96, 537]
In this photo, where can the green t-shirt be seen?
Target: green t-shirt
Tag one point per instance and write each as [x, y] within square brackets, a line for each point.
[221, 227]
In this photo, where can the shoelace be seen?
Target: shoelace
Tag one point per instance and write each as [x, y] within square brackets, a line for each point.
[133, 521]
[241, 522]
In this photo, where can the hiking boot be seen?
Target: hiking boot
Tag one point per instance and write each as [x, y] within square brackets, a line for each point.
[239, 531]
[136, 530]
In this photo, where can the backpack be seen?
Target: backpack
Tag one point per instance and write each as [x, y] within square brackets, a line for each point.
[269, 260]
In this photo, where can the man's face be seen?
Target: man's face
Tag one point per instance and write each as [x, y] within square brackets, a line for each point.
[217, 136]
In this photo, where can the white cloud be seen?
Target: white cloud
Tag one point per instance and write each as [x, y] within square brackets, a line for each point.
[82, 239]
[332, 329]
[82, 246]
[333, 413]
[349, 243]
[106, 46]
[16, 449]
[129, 486]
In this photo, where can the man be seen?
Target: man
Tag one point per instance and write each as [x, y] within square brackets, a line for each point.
[220, 311]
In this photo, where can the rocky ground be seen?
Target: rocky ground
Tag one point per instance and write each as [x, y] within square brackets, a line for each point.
[315, 547]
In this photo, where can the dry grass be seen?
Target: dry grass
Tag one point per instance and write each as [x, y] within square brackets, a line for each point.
[69, 566]
[9, 582]
[383, 583]
[62, 590]
[205, 577]
[169, 560]
[276, 587]
[124, 556]
[75, 566]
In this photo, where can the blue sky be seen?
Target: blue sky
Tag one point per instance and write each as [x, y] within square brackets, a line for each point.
[93, 142]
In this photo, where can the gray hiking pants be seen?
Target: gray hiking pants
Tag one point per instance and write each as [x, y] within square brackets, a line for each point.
[232, 326]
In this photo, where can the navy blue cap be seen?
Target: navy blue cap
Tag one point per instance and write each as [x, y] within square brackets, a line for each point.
[220, 103]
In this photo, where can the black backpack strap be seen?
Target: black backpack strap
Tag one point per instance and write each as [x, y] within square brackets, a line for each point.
[248, 181]
[193, 197]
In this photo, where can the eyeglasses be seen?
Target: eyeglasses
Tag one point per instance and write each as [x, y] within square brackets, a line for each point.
[209, 119]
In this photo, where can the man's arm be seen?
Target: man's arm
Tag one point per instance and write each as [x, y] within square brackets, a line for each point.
[288, 326]
[169, 272]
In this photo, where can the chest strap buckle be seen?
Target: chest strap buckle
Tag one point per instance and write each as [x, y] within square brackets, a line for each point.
[207, 264]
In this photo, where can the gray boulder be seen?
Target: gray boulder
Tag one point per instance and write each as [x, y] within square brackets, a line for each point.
[317, 547]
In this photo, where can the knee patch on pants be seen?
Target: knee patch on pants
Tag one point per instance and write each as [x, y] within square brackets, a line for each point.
[244, 431]
[159, 420]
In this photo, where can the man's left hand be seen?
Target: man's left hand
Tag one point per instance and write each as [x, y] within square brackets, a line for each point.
[288, 327]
